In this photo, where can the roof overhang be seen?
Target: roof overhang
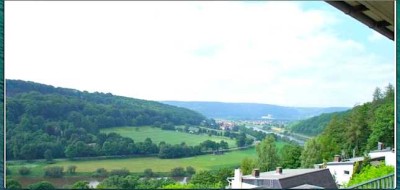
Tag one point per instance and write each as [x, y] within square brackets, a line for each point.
[378, 15]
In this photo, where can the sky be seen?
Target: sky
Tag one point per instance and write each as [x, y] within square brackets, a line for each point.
[304, 54]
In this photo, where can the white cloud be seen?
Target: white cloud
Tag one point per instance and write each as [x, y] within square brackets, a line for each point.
[222, 51]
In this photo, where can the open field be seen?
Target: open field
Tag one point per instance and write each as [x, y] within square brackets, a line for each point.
[138, 165]
[139, 134]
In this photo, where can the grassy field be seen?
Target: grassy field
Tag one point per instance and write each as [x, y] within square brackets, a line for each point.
[138, 165]
[139, 134]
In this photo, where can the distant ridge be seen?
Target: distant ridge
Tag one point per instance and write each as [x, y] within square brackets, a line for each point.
[242, 111]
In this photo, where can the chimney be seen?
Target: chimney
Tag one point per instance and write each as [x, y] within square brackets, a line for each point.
[381, 146]
[337, 158]
[279, 170]
[237, 180]
[256, 173]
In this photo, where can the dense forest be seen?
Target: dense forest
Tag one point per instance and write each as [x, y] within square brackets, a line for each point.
[315, 125]
[359, 130]
[48, 122]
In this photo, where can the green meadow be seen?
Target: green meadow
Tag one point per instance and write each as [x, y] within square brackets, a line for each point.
[139, 134]
[138, 165]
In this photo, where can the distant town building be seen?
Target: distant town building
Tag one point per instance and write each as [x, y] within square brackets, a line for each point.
[283, 179]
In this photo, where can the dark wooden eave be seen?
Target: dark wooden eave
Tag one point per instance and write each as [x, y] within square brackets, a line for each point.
[378, 15]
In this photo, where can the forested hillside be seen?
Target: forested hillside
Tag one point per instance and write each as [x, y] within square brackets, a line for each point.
[360, 130]
[44, 121]
[316, 124]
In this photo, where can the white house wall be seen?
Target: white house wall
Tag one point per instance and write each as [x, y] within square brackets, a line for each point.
[390, 157]
[338, 172]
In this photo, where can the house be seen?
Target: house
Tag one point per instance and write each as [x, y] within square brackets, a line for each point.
[388, 153]
[342, 169]
[283, 179]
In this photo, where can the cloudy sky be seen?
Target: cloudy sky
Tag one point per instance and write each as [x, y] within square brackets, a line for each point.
[285, 53]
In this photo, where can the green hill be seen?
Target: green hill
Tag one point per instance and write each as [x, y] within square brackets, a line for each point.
[48, 122]
[315, 125]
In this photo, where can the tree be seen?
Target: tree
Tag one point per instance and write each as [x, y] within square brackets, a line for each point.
[148, 173]
[177, 172]
[42, 185]
[291, 156]
[190, 170]
[71, 169]
[13, 184]
[81, 185]
[100, 172]
[204, 178]
[54, 171]
[241, 140]
[268, 158]
[24, 170]
[247, 165]
[120, 172]
[311, 154]
[377, 94]
[48, 155]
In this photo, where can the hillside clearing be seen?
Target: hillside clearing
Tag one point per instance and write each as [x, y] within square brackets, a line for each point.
[139, 134]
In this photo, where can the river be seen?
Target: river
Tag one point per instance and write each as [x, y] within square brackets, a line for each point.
[298, 141]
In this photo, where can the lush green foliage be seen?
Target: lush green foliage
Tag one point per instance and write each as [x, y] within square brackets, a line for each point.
[359, 130]
[120, 172]
[216, 178]
[247, 165]
[371, 172]
[80, 185]
[54, 171]
[268, 158]
[311, 154]
[133, 182]
[24, 170]
[315, 125]
[48, 122]
[13, 184]
[42, 185]
[290, 155]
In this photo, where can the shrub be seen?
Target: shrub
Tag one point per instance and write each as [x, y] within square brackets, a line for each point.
[71, 169]
[81, 185]
[100, 172]
[148, 173]
[177, 172]
[190, 170]
[54, 171]
[24, 170]
[13, 184]
[120, 172]
[42, 185]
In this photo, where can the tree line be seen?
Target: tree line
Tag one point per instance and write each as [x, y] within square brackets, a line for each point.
[358, 131]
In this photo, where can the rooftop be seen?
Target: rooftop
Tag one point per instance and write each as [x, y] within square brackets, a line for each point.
[286, 173]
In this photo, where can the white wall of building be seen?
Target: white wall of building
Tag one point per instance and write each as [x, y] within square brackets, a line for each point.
[340, 173]
[390, 157]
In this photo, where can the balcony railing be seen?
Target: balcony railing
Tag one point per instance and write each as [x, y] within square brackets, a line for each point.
[385, 182]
